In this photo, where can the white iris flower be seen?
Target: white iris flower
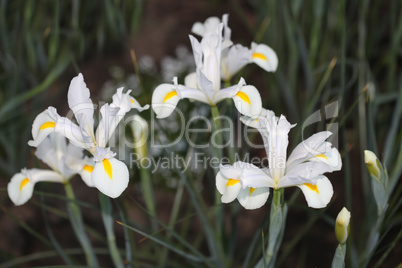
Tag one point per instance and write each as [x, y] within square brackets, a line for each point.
[109, 175]
[64, 159]
[303, 168]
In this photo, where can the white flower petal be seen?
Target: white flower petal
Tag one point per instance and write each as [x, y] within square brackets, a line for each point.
[229, 188]
[20, 189]
[136, 105]
[110, 176]
[86, 172]
[248, 101]
[43, 125]
[264, 56]
[251, 198]
[254, 177]
[319, 195]
[164, 100]
[233, 60]
[229, 92]
[79, 101]
[310, 147]
[73, 133]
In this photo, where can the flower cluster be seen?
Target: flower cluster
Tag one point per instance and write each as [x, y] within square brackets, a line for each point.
[106, 173]
[303, 168]
[216, 59]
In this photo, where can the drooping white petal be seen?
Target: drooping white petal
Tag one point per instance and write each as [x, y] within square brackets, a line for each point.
[73, 133]
[79, 101]
[264, 56]
[86, 172]
[43, 125]
[192, 94]
[331, 158]
[20, 189]
[164, 100]
[254, 177]
[46, 152]
[253, 198]
[248, 101]
[229, 188]
[232, 171]
[229, 92]
[110, 176]
[310, 147]
[318, 195]
[136, 105]
[235, 58]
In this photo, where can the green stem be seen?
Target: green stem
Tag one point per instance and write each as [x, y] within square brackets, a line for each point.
[217, 152]
[106, 207]
[339, 257]
[276, 229]
[78, 226]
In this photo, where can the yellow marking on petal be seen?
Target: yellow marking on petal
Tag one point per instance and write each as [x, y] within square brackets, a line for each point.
[47, 125]
[312, 187]
[260, 56]
[244, 97]
[322, 156]
[132, 101]
[252, 190]
[23, 183]
[108, 168]
[88, 168]
[171, 94]
[231, 182]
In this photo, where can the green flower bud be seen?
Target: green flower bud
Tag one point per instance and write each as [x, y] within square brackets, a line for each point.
[342, 226]
[372, 163]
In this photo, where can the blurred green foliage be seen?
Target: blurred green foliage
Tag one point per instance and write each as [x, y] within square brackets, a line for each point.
[40, 40]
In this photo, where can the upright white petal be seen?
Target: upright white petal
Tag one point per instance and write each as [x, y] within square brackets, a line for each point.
[110, 176]
[43, 125]
[206, 28]
[318, 195]
[79, 101]
[107, 124]
[235, 58]
[253, 198]
[264, 56]
[278, 130]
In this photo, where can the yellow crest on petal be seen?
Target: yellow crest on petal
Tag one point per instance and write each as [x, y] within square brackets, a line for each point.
[108, 168]
[259, 56]
[47, 125]
[244, 97]
[89, 168]
[322, 156]
[252, 190]
[23, 183]
[231, 182]
[170, 95]
[312, 187]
